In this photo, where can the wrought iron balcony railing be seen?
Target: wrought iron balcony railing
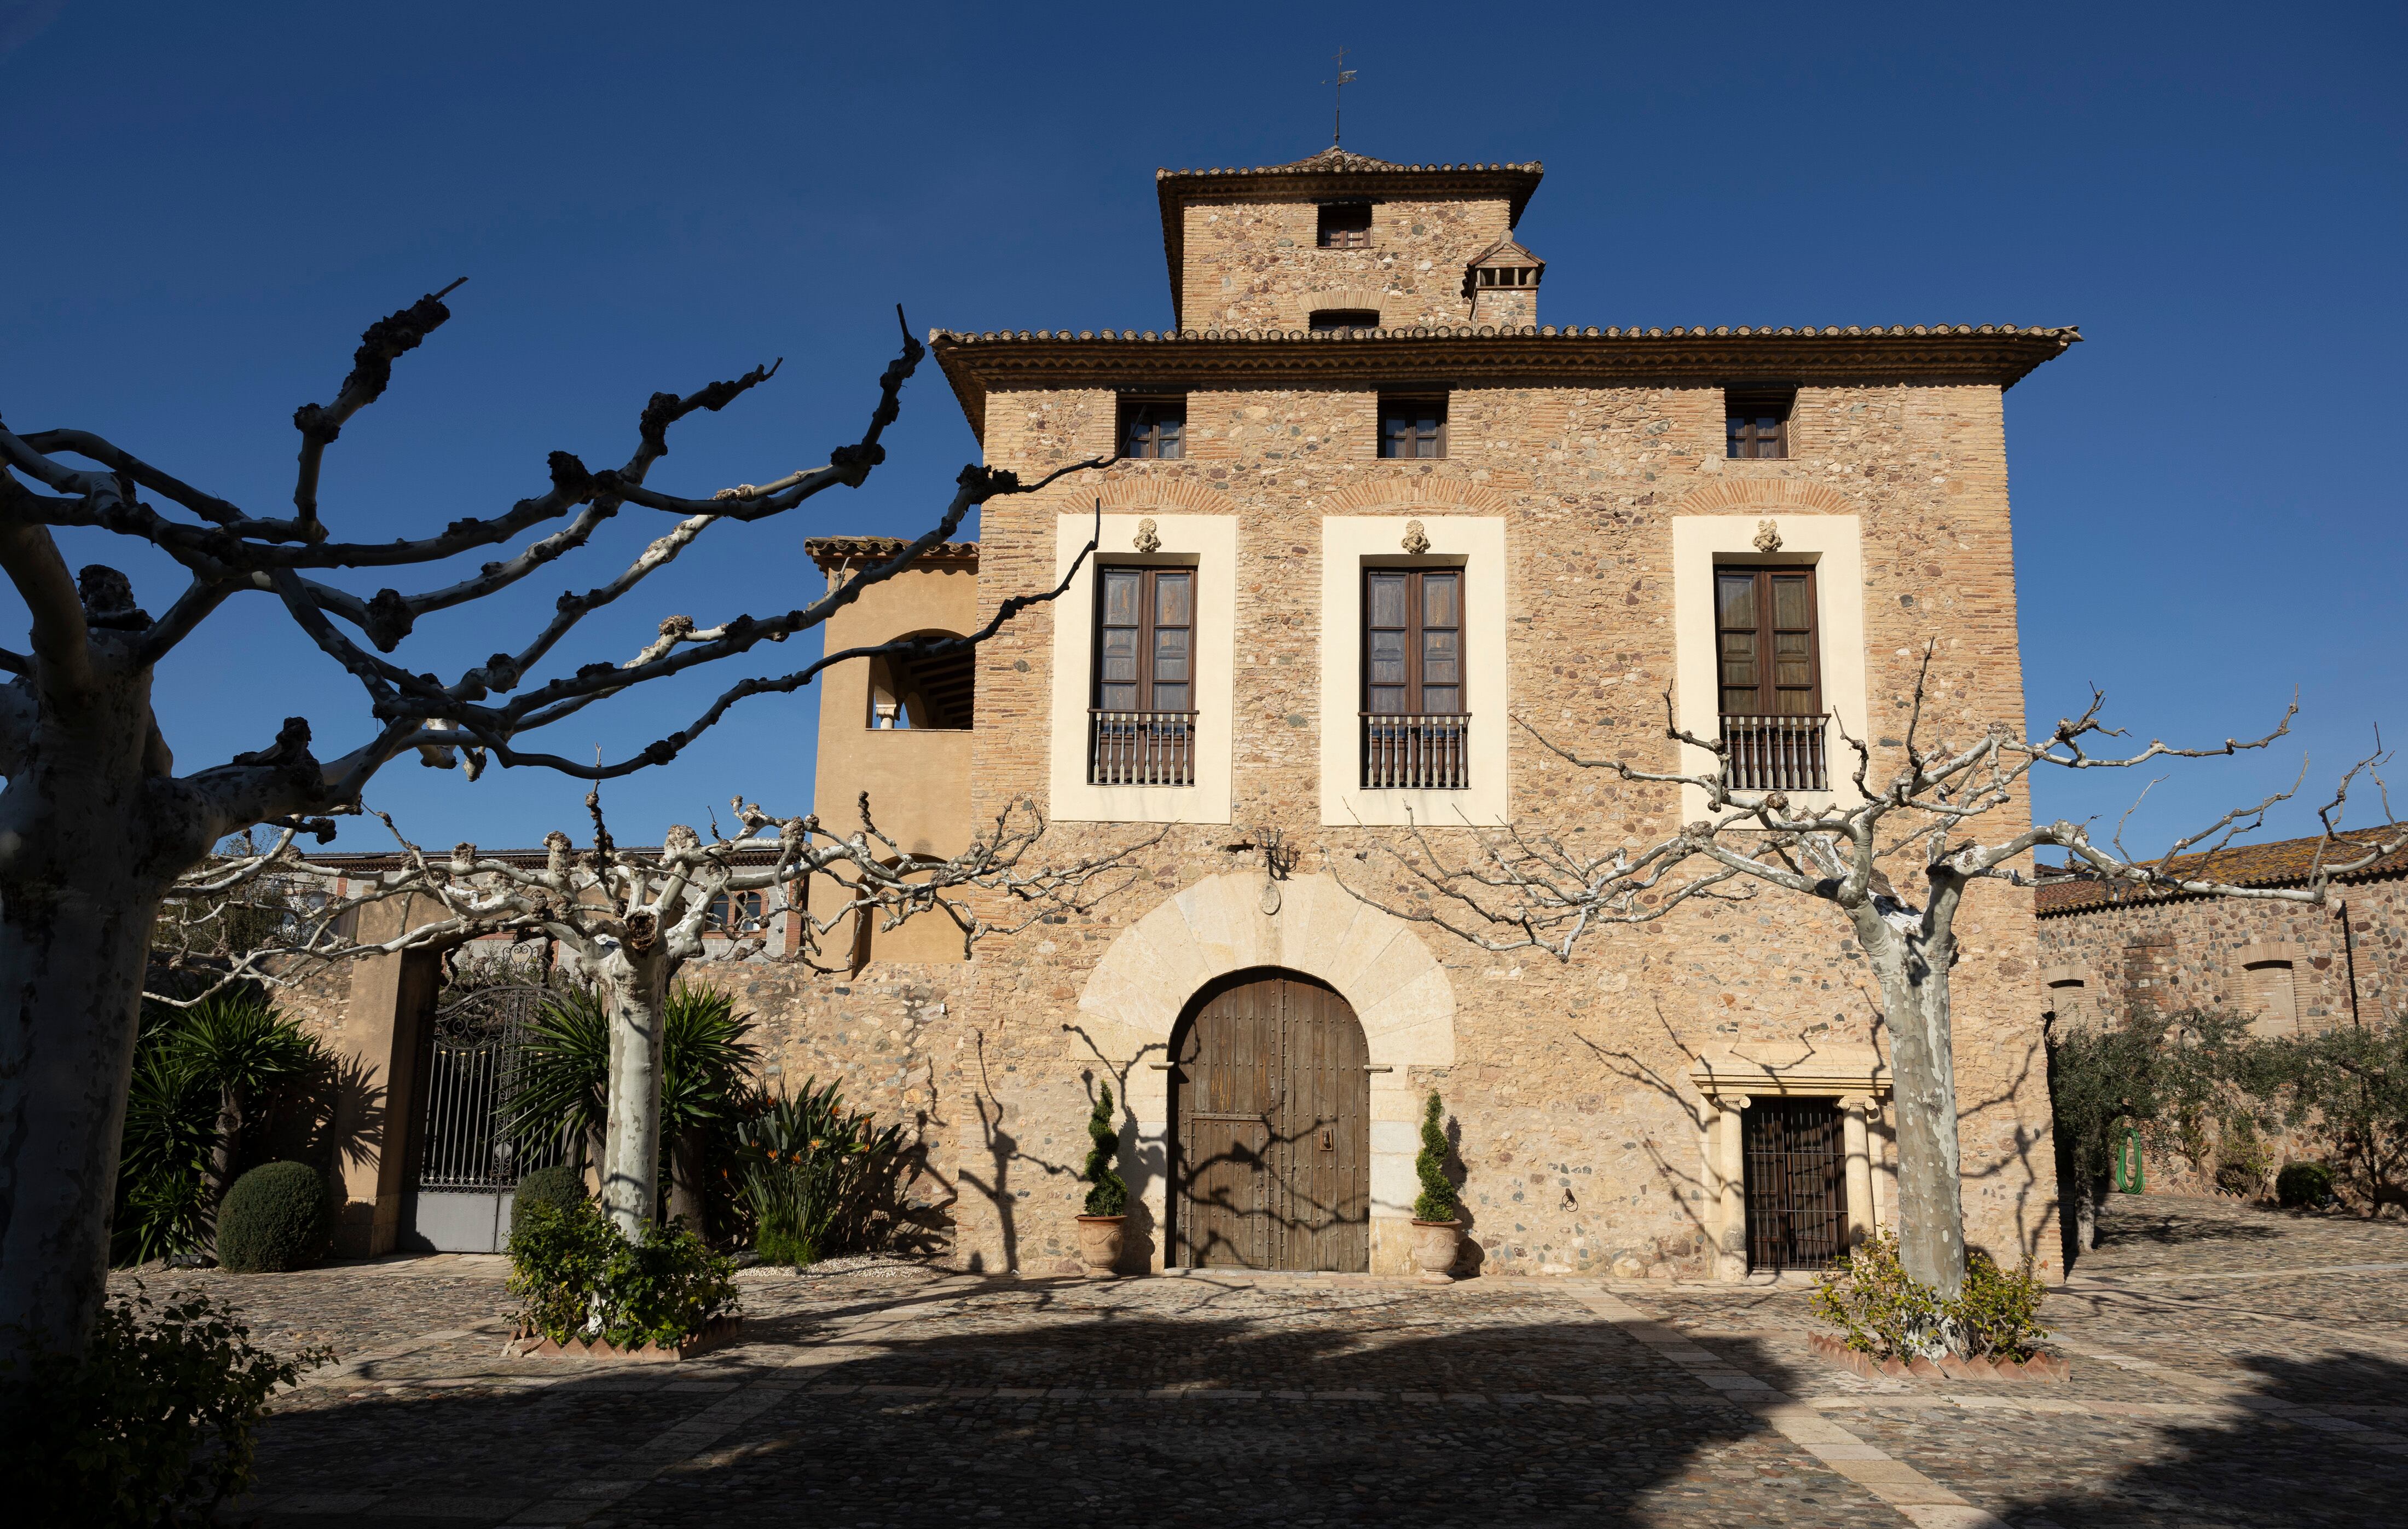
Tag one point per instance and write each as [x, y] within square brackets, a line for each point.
[1416, 753]
[1142, 748]
[1774, 754]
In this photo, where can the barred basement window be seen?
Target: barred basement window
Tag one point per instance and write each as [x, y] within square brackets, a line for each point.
[1755, 421]
[1155, 428]
[1345, 226]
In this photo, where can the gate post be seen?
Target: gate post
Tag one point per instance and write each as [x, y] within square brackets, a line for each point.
[376, 1106]
[1857, 1144]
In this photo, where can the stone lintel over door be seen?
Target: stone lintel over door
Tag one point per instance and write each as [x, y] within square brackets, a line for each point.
[1309, 924]
[1731, 1080]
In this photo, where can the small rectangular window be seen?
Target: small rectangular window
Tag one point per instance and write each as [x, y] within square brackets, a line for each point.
[1346, 226]
[1155, 428]
[1413, 427]
[1755, 421]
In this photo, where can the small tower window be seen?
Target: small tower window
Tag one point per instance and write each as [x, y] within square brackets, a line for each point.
[1330, 321]
[1413, 427]
[1509, 275]
[1755, 421]
[1155, 428]
[1345, 226]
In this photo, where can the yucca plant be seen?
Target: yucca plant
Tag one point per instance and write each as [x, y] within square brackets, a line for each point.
[811, 1168]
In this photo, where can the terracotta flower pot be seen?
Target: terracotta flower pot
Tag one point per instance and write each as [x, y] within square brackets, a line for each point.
[1100, 1245]
[1435, 1246]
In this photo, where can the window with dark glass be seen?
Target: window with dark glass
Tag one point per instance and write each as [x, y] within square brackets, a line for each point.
[1755, 421]
[1770, 677]
[1413, 427]
[1154, 427]
[1144, 728]
[736, 912]
[1324, 321]
[1345, 226]
[1415, 725]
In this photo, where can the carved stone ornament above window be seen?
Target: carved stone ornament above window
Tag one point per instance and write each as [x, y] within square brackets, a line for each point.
[1147, 539]
[1416, 540]
[1768, 536]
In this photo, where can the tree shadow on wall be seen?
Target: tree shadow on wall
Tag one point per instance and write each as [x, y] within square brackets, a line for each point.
[2259, 1467]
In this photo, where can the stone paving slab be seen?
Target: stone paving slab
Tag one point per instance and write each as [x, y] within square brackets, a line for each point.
[910, 1396]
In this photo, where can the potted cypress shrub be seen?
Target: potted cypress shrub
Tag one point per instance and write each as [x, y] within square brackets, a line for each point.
[1101, 1229]
[1437, 1226]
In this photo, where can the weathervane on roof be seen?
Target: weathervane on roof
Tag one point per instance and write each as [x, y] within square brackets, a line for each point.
[1337, 112]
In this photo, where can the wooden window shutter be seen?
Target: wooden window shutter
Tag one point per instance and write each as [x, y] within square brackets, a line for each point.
[1767, 641]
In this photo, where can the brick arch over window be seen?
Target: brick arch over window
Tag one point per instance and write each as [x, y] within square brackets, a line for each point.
[1427, 491]
[1401, 996]
[1138, 493]
[1738, 496]
[1360, 300]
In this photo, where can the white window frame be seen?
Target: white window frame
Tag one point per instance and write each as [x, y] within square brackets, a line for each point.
[1350, 544]
[1209, 544]
[1833, 545]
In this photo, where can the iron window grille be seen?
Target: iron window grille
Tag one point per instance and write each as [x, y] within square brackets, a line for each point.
[1770, 675]
[1416, 725]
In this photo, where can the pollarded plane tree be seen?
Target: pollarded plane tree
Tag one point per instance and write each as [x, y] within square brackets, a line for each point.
[1531, 891]
[626, 920]
[96, 824]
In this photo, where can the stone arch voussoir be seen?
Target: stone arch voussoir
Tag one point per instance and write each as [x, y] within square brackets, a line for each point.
[1742, 495]
[1433, 494]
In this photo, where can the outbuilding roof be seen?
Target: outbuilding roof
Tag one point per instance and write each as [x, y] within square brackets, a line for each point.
[1462, 355]
[2285, 860]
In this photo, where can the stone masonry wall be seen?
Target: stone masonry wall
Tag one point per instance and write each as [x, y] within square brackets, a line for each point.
[1579, 1127]
[1258, 264]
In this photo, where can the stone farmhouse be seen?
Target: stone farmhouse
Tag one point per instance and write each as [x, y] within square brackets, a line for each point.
[1370, 528]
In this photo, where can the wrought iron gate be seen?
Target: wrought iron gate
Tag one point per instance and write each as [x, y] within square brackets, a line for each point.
[468, 1161]
[1796, 1184]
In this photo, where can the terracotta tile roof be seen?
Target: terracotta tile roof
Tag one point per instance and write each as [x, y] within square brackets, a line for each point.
[1333, 172]
[2284, 862]
[1528, 355]
[833, 551]
[369, 862]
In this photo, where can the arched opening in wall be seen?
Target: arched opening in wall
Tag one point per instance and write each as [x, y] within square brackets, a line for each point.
[1330, 321]
[934, 693]
[931, 935]
[2271, 995]
[1271, 1096]
[2070, 1001]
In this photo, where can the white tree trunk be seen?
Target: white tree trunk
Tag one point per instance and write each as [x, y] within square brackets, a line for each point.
[1914, 975]
[634, 994]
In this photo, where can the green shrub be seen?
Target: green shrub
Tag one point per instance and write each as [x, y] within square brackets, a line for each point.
[560, 1186]
[1887, 1313]
[812, 1174]
[2304, 1184]
[1437, 1202]
[274, 1218]
[156, 1416]
[1107, 1191]
[578, 1279]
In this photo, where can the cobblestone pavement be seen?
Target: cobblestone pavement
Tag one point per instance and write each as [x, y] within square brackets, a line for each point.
[2230, 1366]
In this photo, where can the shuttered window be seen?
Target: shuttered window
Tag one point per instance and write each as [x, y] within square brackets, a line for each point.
[1145, 639]
[1755, 423]
[1763, 620]
[1154, 428]
[1346, 226]
[1412, 642]
[1413, 427]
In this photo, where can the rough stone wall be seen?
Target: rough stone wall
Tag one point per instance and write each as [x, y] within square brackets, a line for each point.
[1258, 264]
[2170, 956]
[1578, 1129]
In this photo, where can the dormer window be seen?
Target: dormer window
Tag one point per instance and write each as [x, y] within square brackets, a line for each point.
[1331, 320]
[1505, 266]
[1345, 226]
[1507, 276]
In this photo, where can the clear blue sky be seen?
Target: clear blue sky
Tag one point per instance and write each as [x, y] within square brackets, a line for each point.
[211, 202]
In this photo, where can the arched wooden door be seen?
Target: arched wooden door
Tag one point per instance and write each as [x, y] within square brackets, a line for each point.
[1272, 1170]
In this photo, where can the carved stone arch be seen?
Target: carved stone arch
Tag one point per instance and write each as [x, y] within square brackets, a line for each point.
[1139, 492]
[1740, 495]
[1425, 492]
[1401, 995]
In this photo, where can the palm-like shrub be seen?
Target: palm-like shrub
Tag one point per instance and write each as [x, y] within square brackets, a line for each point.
[1437, 1202]
[564, 1080]
[812, 1173]
[1107, 1191]
[203, 1076]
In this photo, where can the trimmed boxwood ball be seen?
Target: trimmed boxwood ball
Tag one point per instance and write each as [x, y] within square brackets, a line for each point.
[562, 1186]
[274, 1218]
[2304, 1183]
